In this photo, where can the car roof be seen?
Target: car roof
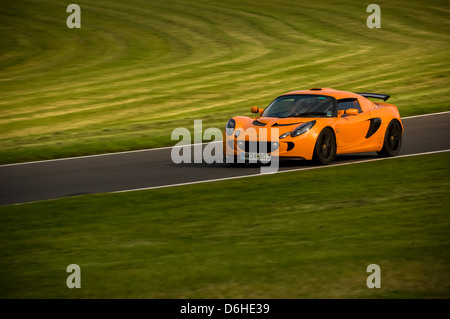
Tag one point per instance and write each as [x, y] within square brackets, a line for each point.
[326, 91]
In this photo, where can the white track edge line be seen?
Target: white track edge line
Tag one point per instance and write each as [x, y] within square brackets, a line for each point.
[104, 154]
[422, 115]
[159, 148]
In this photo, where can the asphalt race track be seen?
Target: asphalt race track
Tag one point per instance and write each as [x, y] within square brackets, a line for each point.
[36, 181]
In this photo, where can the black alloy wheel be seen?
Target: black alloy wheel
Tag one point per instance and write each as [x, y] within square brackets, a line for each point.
[392, 140]
[325, 149]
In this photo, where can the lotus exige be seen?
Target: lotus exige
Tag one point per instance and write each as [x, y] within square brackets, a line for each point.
[316, 124]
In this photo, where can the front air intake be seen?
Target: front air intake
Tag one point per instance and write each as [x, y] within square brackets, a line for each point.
[254, 146]
[257, 123]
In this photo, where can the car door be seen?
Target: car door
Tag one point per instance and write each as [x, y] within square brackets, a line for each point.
[351, 129]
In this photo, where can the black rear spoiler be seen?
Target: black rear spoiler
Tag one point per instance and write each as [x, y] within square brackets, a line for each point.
[383, 97]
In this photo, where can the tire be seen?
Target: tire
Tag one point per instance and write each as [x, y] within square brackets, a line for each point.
[392, 140]
[232, 163]
[325, 148]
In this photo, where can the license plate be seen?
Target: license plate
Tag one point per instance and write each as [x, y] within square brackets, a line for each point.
[257, 156]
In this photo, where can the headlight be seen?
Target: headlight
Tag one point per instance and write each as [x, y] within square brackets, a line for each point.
[237, 133]
[229, 128]
[305, 127]
[285, 135]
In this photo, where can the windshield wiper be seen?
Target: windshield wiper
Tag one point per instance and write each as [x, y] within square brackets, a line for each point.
[307, 114]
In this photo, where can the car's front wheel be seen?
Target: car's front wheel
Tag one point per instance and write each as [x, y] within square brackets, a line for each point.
[392, 140]
[325, 149]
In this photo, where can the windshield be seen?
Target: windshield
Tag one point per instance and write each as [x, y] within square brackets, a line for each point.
[301, 106]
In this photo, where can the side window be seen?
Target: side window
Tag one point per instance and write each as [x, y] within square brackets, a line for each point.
[345, 104]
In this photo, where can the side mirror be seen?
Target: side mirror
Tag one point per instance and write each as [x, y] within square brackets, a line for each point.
[255, 109]
[351, 112]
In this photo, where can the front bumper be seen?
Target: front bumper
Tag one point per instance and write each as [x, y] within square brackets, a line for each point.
[298, 147]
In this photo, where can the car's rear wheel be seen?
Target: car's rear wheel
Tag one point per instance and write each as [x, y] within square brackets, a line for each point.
[325, 149]
[392, 140]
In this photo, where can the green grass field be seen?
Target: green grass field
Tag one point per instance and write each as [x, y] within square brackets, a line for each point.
[138, 69]
[308, 234]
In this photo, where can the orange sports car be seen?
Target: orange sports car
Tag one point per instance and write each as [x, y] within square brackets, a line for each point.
[315, 124]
